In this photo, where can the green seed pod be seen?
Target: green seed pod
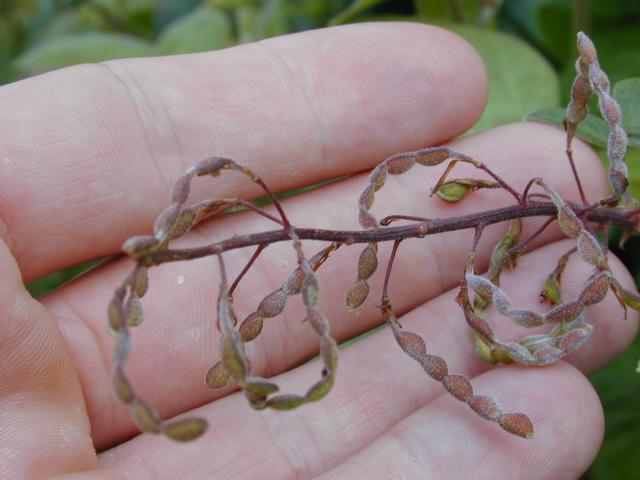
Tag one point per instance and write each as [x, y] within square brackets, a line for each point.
[320, 389]
[145, 417]
[435, 367]
[272, 305]
[551, 290]
[251, 327]
[357, 294]
[285, 402]
[259, 386]
[368, 261]
[483, 350]
[453, 191]
[186, 429]
[217, 376]
[458, 386]
[486, 407]
[233, 359]
[516, 423]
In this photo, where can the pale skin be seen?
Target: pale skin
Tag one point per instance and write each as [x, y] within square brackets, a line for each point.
[87, 159]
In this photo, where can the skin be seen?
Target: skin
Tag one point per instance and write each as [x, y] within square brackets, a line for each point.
[87, 160]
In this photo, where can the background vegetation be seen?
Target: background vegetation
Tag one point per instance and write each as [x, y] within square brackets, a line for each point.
[528, 46]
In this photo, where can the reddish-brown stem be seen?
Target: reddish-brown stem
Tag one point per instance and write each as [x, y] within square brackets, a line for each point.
[575, 171]
[246, 268]
[387, 275]
[416, 230]
[392, 218]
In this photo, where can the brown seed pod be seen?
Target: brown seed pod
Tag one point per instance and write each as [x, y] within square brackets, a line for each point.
[368, 261]
[217, 376]
[435, 367]
[589, 249]
[412, 344]
[399, 164]
[357, 294]
[273, 304]
[486, 407]
[133, 309]
[596, 288]
[565, 312]
[458, 386]
[140, 281]
[516, 423]
[251, 327]
[186, 429]
[165, 221]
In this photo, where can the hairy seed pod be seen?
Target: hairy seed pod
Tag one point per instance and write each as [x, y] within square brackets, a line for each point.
[329, 354]
[293, 284]
[184, 223]
[186, 429]
[212, 166]
[546, 356]
[516, 423]
[272, 305]
[367, 197]
[366, 219]
[140, 245]
[575, 339]
[399, 164]
[165, 221]
[251, 327]
[589, 249]
[412, 344]
[144, 416]
[368, 261]
[318, 321]
[180, 190]
[140, 281]
[285, 402]
[116, 313]
[122, 349]
[537, 342]
[518, 353]
[378, 176]
[432, 156]
[357, 294]
[565, 312]
[122, 387]
[458, 386]
[486, 407]
[133, 309]
[569, 223]
[310, 291]
[435, 367]
[527, 318]
[217, 376]
[596, 288]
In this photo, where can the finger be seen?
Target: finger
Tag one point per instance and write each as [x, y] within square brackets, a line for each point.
[44, 428]
[376, 387]
[93, 148]
[178, 307]
[432, 443]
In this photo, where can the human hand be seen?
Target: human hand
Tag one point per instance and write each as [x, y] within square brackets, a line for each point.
[88, 157]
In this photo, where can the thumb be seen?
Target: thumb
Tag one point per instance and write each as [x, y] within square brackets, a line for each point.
[44, 428]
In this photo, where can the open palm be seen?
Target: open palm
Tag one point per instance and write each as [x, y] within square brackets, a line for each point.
[87, 159]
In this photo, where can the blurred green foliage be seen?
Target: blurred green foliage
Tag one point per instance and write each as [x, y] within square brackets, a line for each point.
[528, 47]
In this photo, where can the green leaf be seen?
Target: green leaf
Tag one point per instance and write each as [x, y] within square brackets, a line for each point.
[627, 93]
[204, 29]
[456, 10]
[81, 48]
[520, 79]
[352, 11]
[592, 129]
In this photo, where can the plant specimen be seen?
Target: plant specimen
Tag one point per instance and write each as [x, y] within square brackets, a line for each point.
[585, 222]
